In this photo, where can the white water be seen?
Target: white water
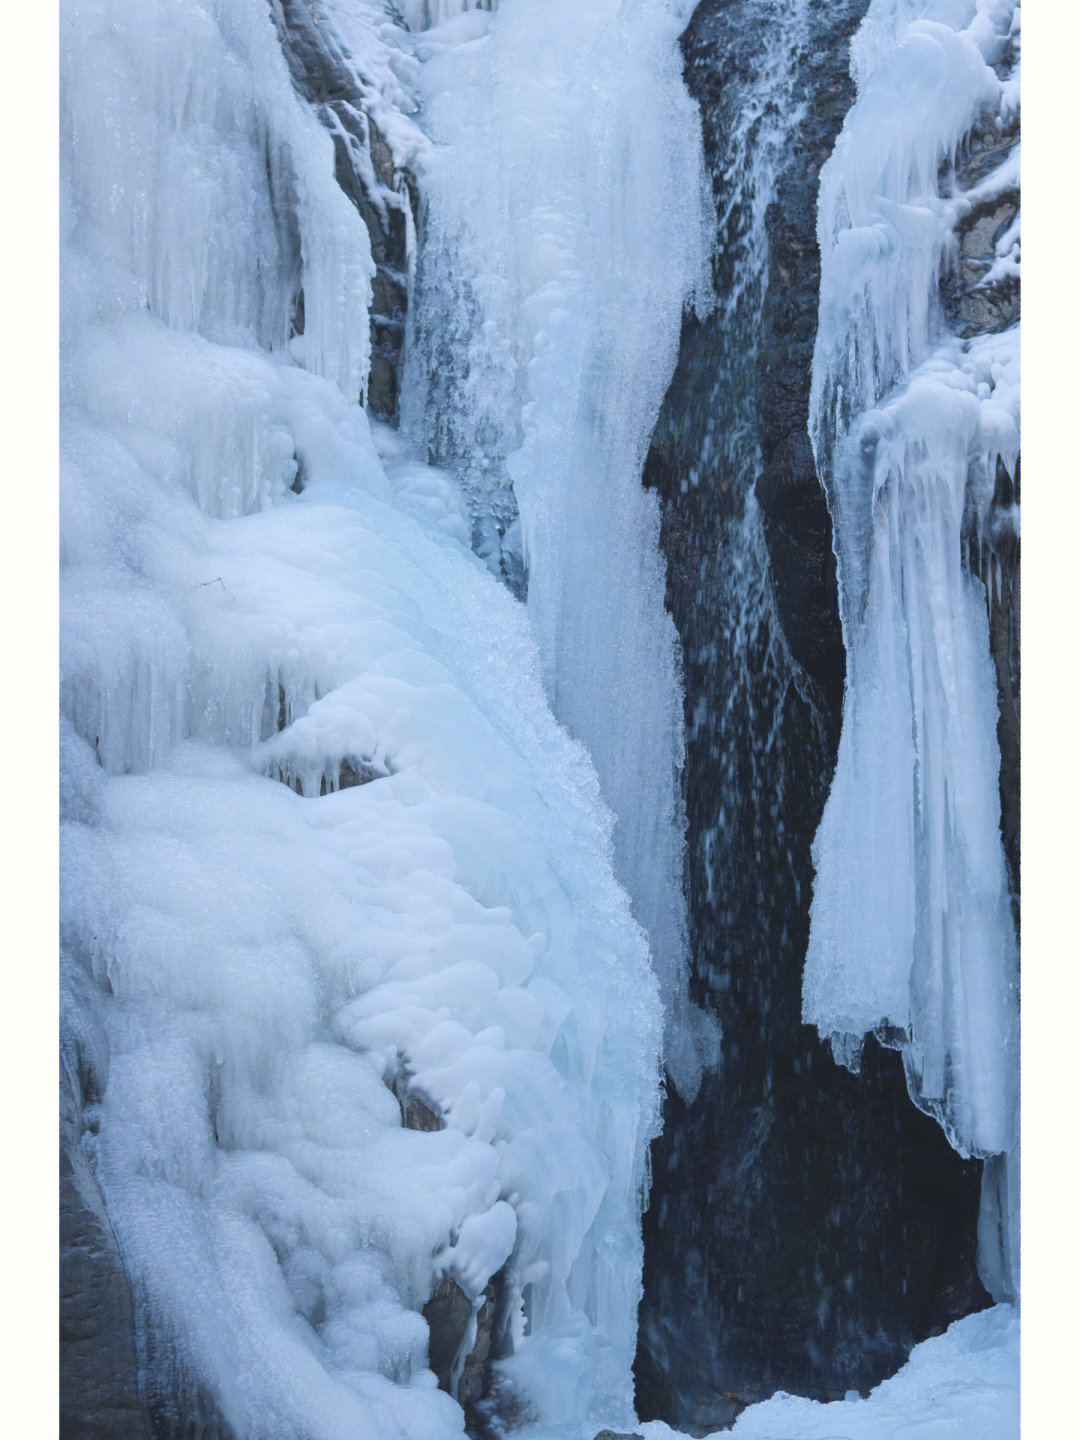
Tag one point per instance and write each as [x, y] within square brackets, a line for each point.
[564, 233]
[912, 934]
[262, 967]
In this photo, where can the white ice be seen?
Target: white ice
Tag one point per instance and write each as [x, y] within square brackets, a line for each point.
[256, 976]
[565, 231]
[912, 935]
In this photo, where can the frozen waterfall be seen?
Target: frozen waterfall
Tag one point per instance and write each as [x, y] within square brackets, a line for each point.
[380, 934]
[259, 978]
[564, 233]
[913, 936]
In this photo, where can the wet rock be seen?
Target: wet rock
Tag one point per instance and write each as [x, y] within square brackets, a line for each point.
[475, 1374]
[975, 304]
[323, 74]
[829, 1225]
[797, 525]
[994, 556]
[348, 774]
[422, 1115]
[99, 1389]
[449, 1314]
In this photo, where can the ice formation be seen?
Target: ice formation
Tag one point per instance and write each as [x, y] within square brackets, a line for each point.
[326, 849]
[564, 233]
[912, 935]
[257, 975]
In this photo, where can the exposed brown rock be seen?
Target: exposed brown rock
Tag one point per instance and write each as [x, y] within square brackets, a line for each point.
[324, 74]
[418, 1114]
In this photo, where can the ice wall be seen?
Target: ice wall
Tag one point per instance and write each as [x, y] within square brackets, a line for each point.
[912, 934]
[563, 235]
[258, 587]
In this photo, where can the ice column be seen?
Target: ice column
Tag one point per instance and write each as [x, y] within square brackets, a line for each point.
[912, 935]
[567, 187]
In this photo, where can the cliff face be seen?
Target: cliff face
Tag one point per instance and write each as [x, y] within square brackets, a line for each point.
[383, 192]
[99, 1391]
[980, 296]
[829, 1224]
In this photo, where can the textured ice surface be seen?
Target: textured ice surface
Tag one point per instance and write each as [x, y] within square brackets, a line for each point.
[912, 934]
[564, 234]
[273, 973]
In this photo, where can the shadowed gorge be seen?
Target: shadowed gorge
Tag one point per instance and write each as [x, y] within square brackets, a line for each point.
[832, 1226]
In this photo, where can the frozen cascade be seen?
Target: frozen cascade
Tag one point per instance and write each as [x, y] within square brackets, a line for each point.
[562, 237]
[256, 982]
[353, 1007]
[912, 934]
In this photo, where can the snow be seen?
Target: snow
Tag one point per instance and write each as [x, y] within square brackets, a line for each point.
[963, 1383]
[260, 978]
[565, 231]
[386, 70]
[912, 935]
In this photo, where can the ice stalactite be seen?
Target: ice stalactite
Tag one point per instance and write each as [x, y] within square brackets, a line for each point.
[564, 232]
[912, 936]
[261, 985]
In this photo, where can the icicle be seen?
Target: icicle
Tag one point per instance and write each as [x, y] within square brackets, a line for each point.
[911, 928]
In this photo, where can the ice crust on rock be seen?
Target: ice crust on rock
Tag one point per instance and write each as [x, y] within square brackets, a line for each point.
[912, 933]
[565, 230]
[272, 973]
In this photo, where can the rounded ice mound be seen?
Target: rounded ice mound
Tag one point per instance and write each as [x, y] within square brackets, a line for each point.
[325, 849]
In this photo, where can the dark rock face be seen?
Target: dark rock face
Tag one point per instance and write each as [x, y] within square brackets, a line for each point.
[974, 304]
[99, 1382]
[324, 75]
[827, 1226]
[798, 530]
[475, 1379]
[449, 1314]
[1000, 567]
[978, 304]
[420, 1116]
